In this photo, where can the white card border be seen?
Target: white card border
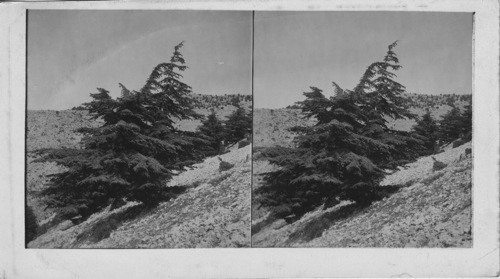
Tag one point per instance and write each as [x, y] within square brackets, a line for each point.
[481, 260]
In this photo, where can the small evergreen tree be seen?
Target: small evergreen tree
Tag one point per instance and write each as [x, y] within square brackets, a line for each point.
[451, 125]
[132, 154]
[456, 125]
[237, 126]
[342, 156]
[213, 129]
[428, 128]
[467, 122]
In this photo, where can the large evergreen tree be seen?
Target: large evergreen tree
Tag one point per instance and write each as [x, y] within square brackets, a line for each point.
[342, 156]
[132, 154]
[382, 99]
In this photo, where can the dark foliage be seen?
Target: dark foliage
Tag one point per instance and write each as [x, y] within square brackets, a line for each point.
[31, 225]
[78, 108]
[244, 143]
[450, 125]
[132, 154]
[438, 165]
[237, 126]
[214, 130]
[428, 129]
[456, 125]
[342, 157]
[224, 166]
[467, 123]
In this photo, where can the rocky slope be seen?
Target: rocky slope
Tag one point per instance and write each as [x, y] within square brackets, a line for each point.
[271, 125]
[49, 129]
[433, 209]
[54, 129]
[213, 212]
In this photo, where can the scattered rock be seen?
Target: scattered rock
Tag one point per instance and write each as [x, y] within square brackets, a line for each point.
[432, 214]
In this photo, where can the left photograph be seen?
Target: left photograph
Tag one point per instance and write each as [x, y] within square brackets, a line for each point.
[138, 129]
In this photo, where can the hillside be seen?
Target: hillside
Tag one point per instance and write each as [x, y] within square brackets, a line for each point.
[208, 101]
[223, 105]
[49, 129]
[271, 125]
[432, 209]
[429, 209]
[54, 129]
[213, 212]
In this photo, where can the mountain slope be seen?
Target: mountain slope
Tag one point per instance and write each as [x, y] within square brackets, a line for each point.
[271, 125]
[213, 212]
[433, 209]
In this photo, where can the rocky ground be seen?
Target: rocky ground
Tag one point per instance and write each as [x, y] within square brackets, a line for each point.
[222, 113]
[213, 212]
[54, 129]
[49, 129]
[433, 209]
[271, 126]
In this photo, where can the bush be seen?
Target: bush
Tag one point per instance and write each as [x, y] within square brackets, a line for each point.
[244, 143]
[237, 126]
[456, 125]
[428, 129]
[224, 166]
[213, 129]
[457, 143]
[438, 165]
[31, 225]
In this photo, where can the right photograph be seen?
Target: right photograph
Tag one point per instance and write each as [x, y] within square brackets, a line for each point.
[362, 129]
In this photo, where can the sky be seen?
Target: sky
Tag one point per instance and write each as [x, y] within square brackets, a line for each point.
[296, 50]
[71, 53]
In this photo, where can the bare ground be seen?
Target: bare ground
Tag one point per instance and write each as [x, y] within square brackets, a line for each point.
[433, 210]
[213, 212]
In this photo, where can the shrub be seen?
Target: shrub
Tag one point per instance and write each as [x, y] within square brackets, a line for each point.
[427, 128]
[224, 166]
[456, 124]
[438, 165]
[457, 143]
[214, 131]
[244, 143]
[31, 225]
[237, 126]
